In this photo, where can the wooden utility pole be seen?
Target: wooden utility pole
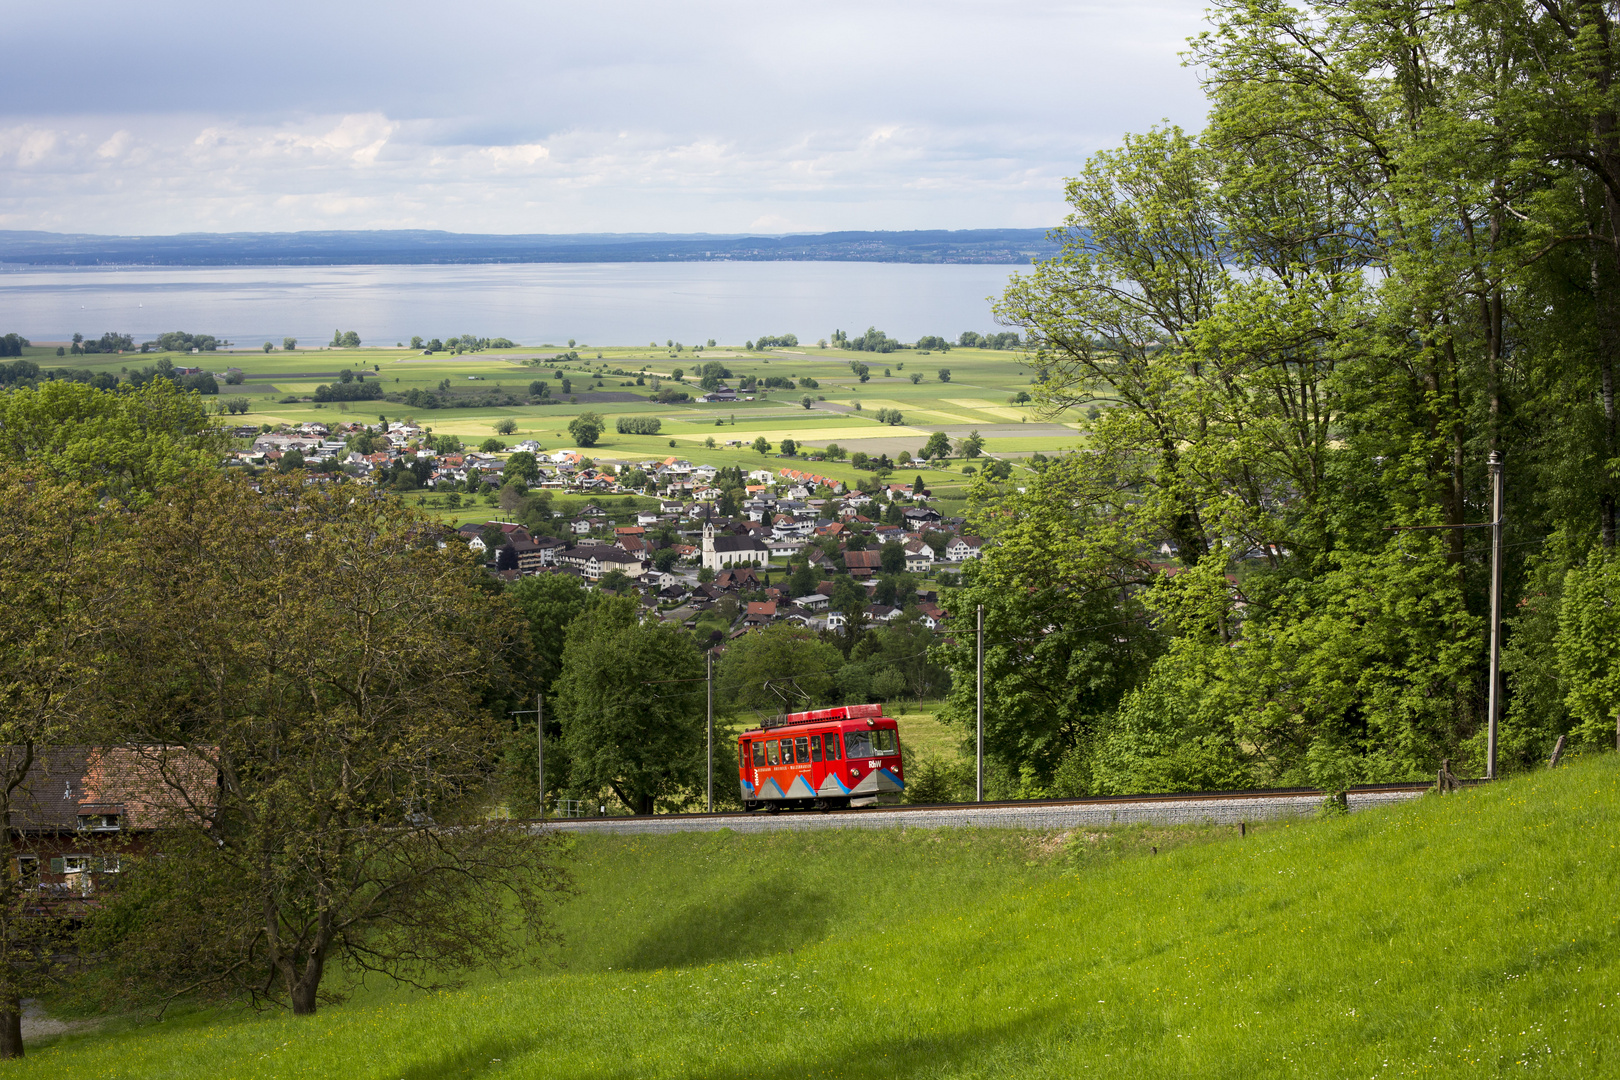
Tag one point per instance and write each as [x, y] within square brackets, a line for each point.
[539, 712]
[710, 656]
[979, 712]
[1494, 699]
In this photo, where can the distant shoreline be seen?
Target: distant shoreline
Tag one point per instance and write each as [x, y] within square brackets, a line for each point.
[20, 249]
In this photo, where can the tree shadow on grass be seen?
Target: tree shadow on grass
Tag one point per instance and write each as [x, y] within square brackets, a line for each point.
[914, 1058]
[771, 916]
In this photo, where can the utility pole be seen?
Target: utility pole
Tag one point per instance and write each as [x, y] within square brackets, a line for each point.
[979, 712]
[710, 657]
[539, 712]
[1495, 698]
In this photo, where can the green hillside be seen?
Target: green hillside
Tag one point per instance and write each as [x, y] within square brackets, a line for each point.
[1464, 935]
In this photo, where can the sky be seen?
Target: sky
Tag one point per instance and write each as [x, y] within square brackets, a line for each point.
[145, 117]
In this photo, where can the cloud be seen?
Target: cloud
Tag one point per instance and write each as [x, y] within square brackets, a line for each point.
[516, 156]
[35, 146]
[115, 146]
[506, 116]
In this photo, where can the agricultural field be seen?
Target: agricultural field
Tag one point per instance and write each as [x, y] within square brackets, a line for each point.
[1458, 936]
[977, 398]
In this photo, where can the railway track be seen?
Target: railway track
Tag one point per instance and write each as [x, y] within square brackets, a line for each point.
[1204, 807]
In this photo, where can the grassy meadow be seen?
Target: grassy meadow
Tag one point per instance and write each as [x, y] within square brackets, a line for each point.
[1469, 935]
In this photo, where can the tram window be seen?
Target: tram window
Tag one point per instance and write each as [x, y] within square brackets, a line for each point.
[801, 747]
[787, 751]
[815, 748]
[858, 744]
[885, 741]
[759, 754]
[770, 748]
[832, 746]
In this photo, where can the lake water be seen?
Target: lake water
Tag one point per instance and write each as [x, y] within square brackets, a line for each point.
[531, 303]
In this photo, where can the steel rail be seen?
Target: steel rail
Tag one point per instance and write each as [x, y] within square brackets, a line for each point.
[923, 808]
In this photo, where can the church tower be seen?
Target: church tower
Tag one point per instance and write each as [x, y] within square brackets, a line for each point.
[710, 560]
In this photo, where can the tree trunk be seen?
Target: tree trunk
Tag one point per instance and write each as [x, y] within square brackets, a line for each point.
[308, 985]
[11, 1044]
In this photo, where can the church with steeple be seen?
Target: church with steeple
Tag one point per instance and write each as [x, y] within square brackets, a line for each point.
[726, 549]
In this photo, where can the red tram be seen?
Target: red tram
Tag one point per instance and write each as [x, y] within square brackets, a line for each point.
[820, 759]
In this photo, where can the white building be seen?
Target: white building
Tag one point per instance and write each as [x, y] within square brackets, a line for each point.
[720, 552]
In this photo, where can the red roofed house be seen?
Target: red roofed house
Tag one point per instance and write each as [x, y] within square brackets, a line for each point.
[78, 807]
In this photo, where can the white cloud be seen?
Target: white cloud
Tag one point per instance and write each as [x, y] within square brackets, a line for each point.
[516, 156]
[507, 116]
[115, 146]
[35, 147]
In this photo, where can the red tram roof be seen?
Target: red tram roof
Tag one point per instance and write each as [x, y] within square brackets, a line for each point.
[819, 716]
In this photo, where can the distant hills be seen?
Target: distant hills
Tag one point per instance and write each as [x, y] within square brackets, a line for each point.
[427, 246]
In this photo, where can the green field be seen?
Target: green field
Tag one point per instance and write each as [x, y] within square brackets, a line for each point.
[1461, 936]
[976, 398]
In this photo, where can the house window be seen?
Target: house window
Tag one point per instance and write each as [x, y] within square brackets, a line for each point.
[28, 867]
[86, 864]
[99, 822]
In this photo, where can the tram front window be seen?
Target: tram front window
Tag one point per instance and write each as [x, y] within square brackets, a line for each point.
[885, 741]
[857, 744]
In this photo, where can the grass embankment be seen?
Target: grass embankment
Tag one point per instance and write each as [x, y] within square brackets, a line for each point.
[923, 734]
[1457, 936]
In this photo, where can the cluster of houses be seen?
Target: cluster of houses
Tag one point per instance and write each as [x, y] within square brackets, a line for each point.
[737, 553]
[787, 515]
[561, 470]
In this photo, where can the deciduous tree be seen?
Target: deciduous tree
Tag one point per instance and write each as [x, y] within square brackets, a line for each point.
[332, 666]
[631, 709]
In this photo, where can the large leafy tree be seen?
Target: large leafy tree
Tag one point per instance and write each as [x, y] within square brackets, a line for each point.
[330, 663]
[549, 604]
[124, 443]
[630, 700]
[777, 669]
